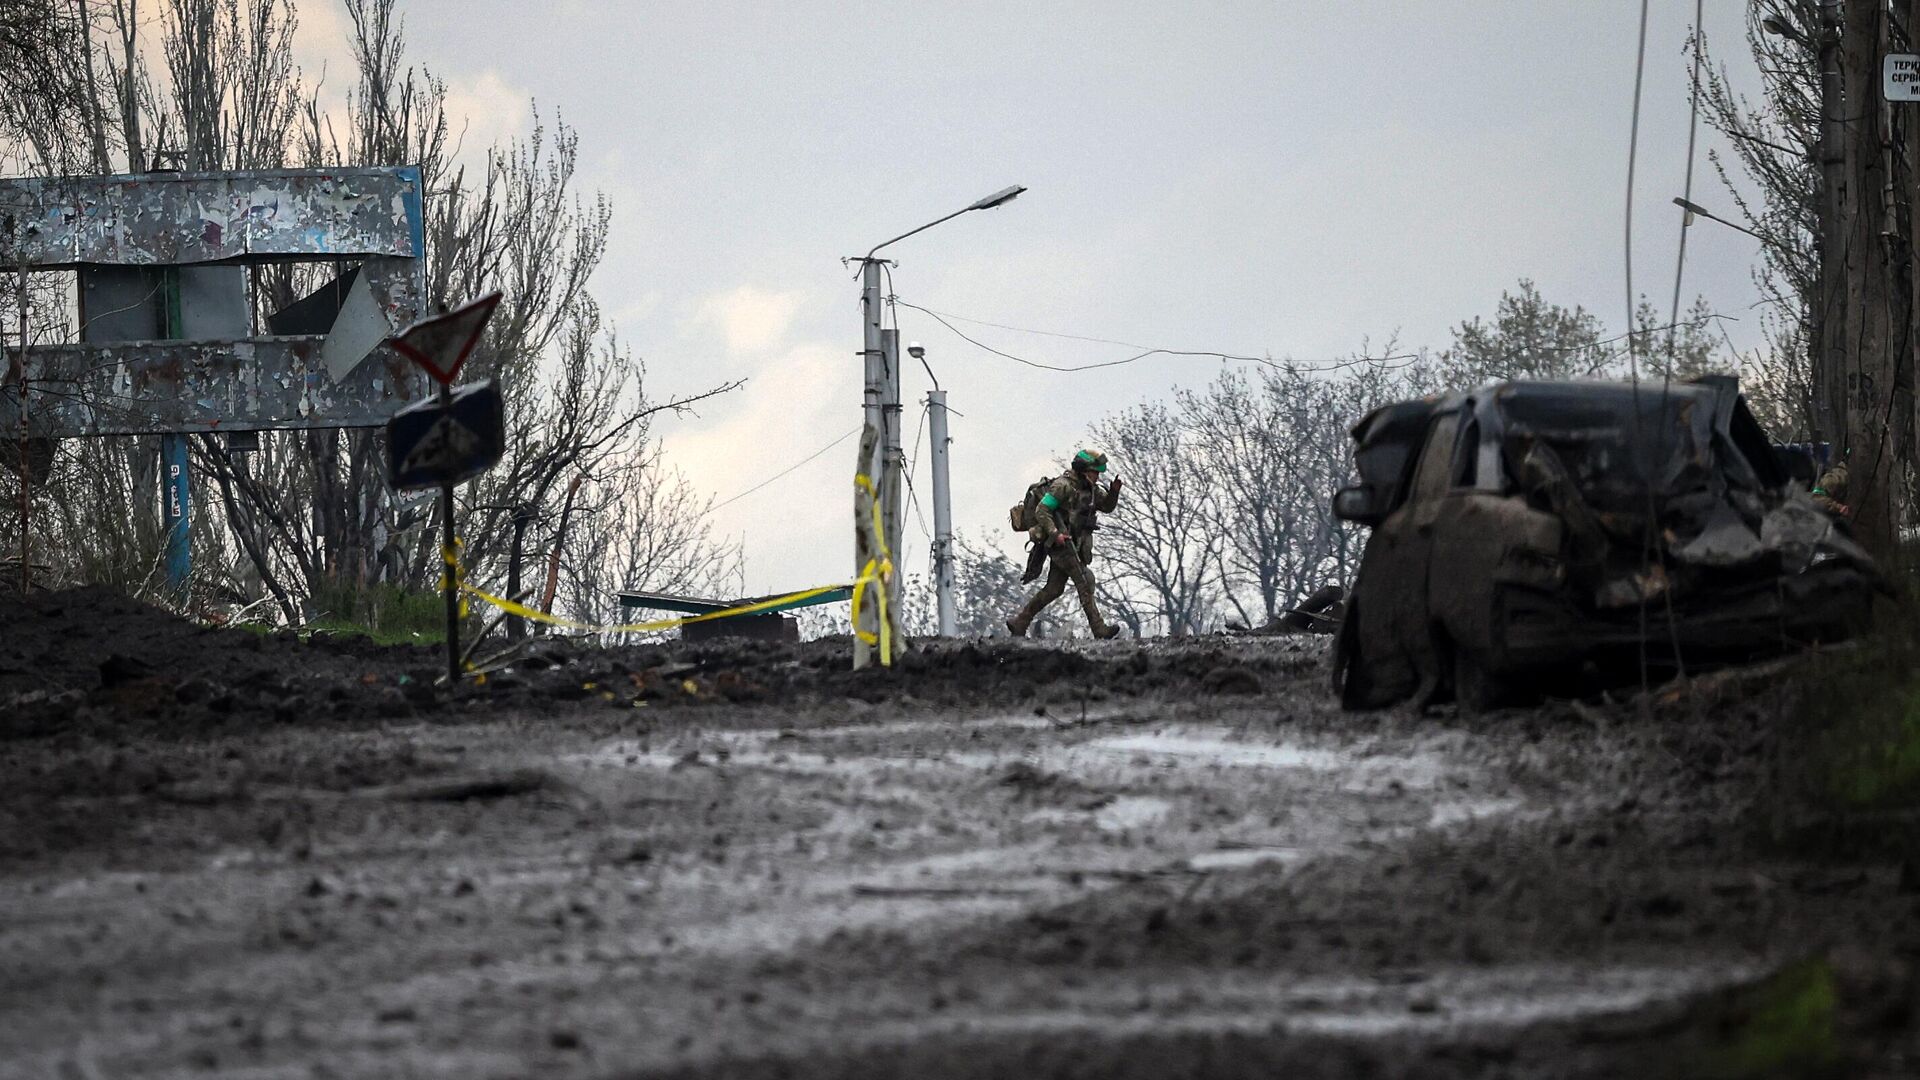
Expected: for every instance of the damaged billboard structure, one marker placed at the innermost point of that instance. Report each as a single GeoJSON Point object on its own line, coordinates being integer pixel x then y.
{"type": "Point", "coordinates": [1529, 534]}
{"type": "Point", "coordinates": [170, 340]}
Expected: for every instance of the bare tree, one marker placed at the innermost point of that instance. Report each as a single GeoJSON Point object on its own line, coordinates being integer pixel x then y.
{"type": "Point", "coordinates": [1166, 539]}
{"type": "Point", "coordinates": [1774, 146]}
{"type": "Point", "coordinates": [212, 84]}
{"type": "Point", "coordinates": [42, 43]}
{"type": "Point", "coordinates": [1246, 431]}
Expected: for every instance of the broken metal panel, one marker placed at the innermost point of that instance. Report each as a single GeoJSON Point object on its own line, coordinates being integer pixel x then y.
{"type": "Point", "coordinates": [694, 605]}
{"type": "Point", "coordinates": [137, 303]}
{"type": "Point", "coordinates": [121, 303]}
{"type": "Point", "coordinates": [254, 384]}
{"type": "Point", "coordinates": [360, 325]}
{"type": "Point", "coordinates": [213, 303]}
{"type": "Point", "coordinates": [398, 286]}
{"type": "Point", "coordinates": [164, 255]}
{"type": "Point", "coordinates": [357, 310]}
{"type": "Point", "coordinates": [155, 219]}
{"type": "Point", "coordinates": [314, 313]}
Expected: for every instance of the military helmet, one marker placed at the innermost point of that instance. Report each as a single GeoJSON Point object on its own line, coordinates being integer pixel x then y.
{"type": "Point", "coordinates": [1090, 460]}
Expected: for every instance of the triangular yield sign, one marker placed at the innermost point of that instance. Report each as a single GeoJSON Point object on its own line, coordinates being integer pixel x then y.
{"type": "Point", "coordinates": [441, 343]}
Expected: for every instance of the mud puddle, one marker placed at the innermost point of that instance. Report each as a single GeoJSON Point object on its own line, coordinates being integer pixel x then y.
{"type": "Point", "coordinates": [1442, 1002]}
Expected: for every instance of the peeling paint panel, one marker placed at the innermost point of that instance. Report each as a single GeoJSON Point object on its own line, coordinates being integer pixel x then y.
{"type": "Point", "coordinates": [150, 219]}
{"type": "Point", "coordinates": [252, 384]}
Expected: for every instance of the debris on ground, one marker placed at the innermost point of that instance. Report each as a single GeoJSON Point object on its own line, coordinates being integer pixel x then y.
{"type": "Point", "coordinates": [1013, 858]}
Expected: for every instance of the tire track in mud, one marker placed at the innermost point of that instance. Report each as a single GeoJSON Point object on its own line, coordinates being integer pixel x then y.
{"type": "Point", "coordinates": [811, 887]}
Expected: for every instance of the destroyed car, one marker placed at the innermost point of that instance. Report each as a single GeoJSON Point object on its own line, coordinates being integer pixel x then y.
{"type": "Point", "coordinates": [1529, 535]}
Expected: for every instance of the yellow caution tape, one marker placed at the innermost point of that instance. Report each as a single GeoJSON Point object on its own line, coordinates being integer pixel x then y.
{"type": "Point", "coordinates": [537, 615]}
{"type": "Point", "coordinates": [876, 573]}
{"type": "Point", "coordinates": [450, 555]}
{"type": "Point", "coordinates": [879, 572]}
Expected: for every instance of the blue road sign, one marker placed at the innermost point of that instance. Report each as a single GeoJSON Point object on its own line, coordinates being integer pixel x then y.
{"type": "Point", "coordinates": [173, 461]}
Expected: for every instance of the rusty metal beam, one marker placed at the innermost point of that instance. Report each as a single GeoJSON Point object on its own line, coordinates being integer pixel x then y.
{"type": "Point", "coordinates": [251, 384]}
{"type": "Point", "coordinates": [156, 219]}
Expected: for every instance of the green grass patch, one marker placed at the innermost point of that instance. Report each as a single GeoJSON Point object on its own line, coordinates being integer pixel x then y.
{"type": "Point", "coordinates": [1782, 1027]}
{"type": "Point", "coordinates": [1865, 751]}
{"type": "Point", "coordinates": [1873, 760]}
{"type": "Point", "coordinates": [388, 614]}
{"type": "Point", "coordinates": [1853, 741]}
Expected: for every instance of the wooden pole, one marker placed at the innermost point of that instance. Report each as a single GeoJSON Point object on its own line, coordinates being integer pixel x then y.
{"type": "Point", "coordinates": [1910, 192]}
{"type": "Point", "coordinates": [1872, 310]}
{"type": "Point", "coordinates": [522, 517]}
{"type": "Point", "coordinates": [1829, 325]}
{"type": "Point", "coordinates": [559, 541]}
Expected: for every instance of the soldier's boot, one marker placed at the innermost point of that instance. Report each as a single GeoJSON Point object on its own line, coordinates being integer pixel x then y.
{"type": "Point", "coordinates": [1056, 584]}
{"type": "Point", "coordinates": [1018, 622]}
{"type": "Point", "coordinates": [1100, 627]}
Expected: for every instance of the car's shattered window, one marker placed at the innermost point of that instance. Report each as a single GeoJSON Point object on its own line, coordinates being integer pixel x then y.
{"type": "Point", "coordinates": [1613, 442]}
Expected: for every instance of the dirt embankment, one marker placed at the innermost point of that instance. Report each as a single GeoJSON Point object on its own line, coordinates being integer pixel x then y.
{"type": "Point", "coordinates": [231, 854]}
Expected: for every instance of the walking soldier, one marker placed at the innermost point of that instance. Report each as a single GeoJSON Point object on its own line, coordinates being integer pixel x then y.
{"type": "Point", "coordinates": [1062, 527]}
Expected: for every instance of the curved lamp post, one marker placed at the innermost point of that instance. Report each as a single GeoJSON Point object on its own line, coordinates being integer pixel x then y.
{"type": "Point", "coordinates": [881, 404]}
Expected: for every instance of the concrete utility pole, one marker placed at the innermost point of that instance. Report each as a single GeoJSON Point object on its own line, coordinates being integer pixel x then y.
{"type": "Point", "coordinates": [880, 452]}
{"type": "Point", "coordinates": [892, 454]}
{"type": "Point", "coordinates": [942, 499]}
{"type": "Point", "coordinates": [873, 354]}
{"type": "Point", "coordinates": [942, 512]}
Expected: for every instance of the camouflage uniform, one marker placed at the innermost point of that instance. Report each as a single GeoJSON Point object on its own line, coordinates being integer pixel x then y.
{"type": "Point", "coordinates": [1830, 493]}
{"type": "Point", "coordinates": [1067, 509]}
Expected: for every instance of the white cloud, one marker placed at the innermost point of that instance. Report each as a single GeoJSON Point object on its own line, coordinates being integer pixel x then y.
{"type": "Point", "coordinates": [323, 48]}
{"type": "Point", "coordinates": [750, 318]}
{"type": "Point", "coordinates": [486, 110]}
{"type": "Point", "coordinates": [798, 400]}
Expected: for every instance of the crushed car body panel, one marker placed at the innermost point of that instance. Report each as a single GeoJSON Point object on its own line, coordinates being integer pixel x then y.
{"type": "Point", "coordinates": [1528, 528]}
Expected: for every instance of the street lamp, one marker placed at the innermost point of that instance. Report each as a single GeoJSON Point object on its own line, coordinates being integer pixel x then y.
{"type": "Point", "coordinates": [998, 198]}
{"type": "Point", "coordinates": [881, 403]}
{"type": "Point", "coordinates": [1779, 27]}
{"type": "Point", "coordinates": [1697, 210]}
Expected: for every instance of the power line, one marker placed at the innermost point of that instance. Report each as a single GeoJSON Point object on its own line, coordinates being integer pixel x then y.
{"type": "Point", "coordinates": [1633, 357]}
{"type": "Point", "coordinates": [1287, 365]}
{"type": "Point", "coordinates": [1278, 365]}
{"type": "Point", "coordinates": [913, 497]}
{"type": "Point", "coordinates": [1042, 333]}
{"type": "Point", "coordinates": [1693, 128]}
{"type": "Point", "coordinates": [1633, 158]}
{"type": "Point", "coordinates": [782, 472]}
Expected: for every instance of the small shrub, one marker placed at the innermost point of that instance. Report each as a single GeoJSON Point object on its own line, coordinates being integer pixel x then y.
{"type": "Point", "coordinates": [388, 614]}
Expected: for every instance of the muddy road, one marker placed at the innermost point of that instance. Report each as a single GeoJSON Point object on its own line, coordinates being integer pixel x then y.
{"type": "Point", "coordinates": [233, 855]}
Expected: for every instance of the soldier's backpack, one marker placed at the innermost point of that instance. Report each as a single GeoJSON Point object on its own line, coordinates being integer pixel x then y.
{"type": "Point", "coordinates": [1021, 514]}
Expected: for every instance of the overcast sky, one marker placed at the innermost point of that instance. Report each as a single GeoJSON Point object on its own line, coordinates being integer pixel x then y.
{"type": "Point", "coordinates": [1290, 179]}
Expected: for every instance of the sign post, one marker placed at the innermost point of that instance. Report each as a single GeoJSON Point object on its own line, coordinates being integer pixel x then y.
{"type": "Point", "coordinates": [440, 443]}
{"type": "Point", "coordinates": [173, 459]}
{"type": "Point", "coordinates": [450, 562]}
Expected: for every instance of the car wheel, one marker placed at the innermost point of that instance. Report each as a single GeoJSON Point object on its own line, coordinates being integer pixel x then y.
{"type": "Point", "coordinates": [1350, 681]}
{"type": "Point", "coordinates": [1475, 690]}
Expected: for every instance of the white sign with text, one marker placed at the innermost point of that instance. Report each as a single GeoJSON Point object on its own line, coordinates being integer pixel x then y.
{"type": "Point", "coordinates": [1900, 76]}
